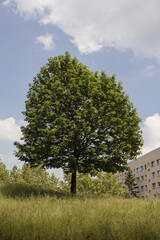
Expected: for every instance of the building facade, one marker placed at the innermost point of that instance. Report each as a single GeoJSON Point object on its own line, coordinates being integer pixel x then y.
{"type": "Point", "coordinates": [146, 170]}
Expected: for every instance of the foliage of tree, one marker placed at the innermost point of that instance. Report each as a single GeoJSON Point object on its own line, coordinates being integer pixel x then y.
{"type": "Point", "coordinates": [29, 180]}
{"type": "Point", "coordinates": [16, 175]}
{"type": "Point", "coordinates": [103, 183]}
{"type": "Point", "coordinates": [78, 120]}
{"type": "Point", "coordinates": [131, 183]}
{"type": "Point", "coordinates": [36, 176]}
{"type": "Point", "coordinates": [4, 173]}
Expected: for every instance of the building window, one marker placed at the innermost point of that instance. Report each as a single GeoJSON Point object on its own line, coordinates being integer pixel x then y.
{"type": "Point", "coordinates": [149, 180]}
{"type": "Point", "coordinates": [142, 188]}
{"type": "Point", "coordinates": [153, 185]}
{"type": "Point", "coordinates": [141, 168]}
{"type": "Point", "coordinates": [153, 174]}
{"type": "Point", "coordinates": [158, 184]}
{"type": "Point", "coordinates": [152, 164]}
{"type": "Point", "coordinates": [158, 173]}
{"type": "Point", "coordinates": [148, 170]}
{"type": "Point", "coordinates": [142, 178]}
{"type": "Point", "coordinates": [148, 164]}
{"type": "Point", "coordinates": [137, 170]}
{"type": "Point", "coordinates": [145, 167]}
{"type": "Point", "coordinates": [145, 187]}
{"type": "Point", "coordinates": [158, 161]}
{"type": "Point", "coordinates": [134, 170]}
{"type": "Point", "coordinates": [145, 177]}
{"type": "Point", "coordinates": [137, 179]}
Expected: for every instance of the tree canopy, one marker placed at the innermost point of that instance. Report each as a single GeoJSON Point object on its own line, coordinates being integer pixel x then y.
{"type": "Point", "coordinates": [78, 120]}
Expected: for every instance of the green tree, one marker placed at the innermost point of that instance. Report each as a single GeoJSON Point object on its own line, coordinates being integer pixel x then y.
{"type": "Point", "coordinates": [16, 175]}
{"type": "Point", "coordinates": [4, 173]}
{"type": "Point", "coordinates": [39, 177]}
{"type": "Point", "coordinates": [131, 183]}
{"type": "Point", "coordinates": [78, 120]}
{"type": "Point", "coordinates": [102, 183]}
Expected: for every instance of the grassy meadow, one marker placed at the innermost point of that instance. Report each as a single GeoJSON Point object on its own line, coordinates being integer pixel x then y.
{"type": "Point", "coordinates": [37, 206]}
{"type": "Point", "coordinates": [55, 217]}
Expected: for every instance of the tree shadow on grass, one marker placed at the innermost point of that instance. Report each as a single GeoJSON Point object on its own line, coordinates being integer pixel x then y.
{"type": "Point", "coordinates": [22, 190]}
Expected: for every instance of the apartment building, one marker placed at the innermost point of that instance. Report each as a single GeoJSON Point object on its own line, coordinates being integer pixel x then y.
{"type": "Point", "coordinates": [146, 170]}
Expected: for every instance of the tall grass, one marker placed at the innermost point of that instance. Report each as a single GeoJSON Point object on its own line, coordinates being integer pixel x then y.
{"type": "Point", "coordinates": [52, 218]}
{"type": "Point", "coordinates": [23, 190]}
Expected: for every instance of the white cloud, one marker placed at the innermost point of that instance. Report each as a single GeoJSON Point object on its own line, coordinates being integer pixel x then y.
{"type": "Point", "coordinates": [151, 133]}
{"type": "Point", "coordinates": [95, 24]}
{"type": "Point", "coordinates": [27, 8]}
{"type": "Point", "coordinates": [148, 71]}
{"type": "Point", "coordinates": [47, 41]}
{"type": "Point", "coordinates": [9, 130]}
{"type": "Point", "coordinates": [6, 2]}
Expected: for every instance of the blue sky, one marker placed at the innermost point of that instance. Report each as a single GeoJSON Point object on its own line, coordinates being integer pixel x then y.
{"type": "Point", "coordinates": [121, 37]}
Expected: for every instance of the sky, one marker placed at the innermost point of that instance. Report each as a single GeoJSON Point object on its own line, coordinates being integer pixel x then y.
{"type": "Point", "coordinates": [121, 37]}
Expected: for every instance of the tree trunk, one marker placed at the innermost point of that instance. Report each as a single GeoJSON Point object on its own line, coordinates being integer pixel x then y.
{"type": "Point", "coordinates": [73, 183]}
